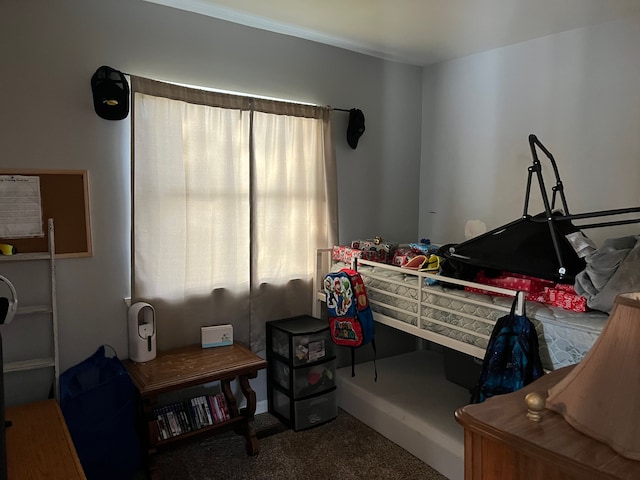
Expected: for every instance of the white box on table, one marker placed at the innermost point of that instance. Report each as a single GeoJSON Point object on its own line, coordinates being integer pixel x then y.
{"type": "Point", "coordinates": [216, 336]}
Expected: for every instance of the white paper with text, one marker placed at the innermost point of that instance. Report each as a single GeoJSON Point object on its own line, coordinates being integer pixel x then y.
{"type": "Point", "coordinates": [20, 207]}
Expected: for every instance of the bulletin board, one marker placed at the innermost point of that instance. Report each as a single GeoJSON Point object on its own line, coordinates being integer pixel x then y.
{"type": "Point", "coordinates": [64, 196]}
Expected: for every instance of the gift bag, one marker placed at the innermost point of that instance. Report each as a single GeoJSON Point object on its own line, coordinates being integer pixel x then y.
{"type": "Point", "coordinates": [98, 401]}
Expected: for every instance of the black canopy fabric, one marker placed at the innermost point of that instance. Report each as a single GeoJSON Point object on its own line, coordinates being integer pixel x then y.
{"type": "Point", "coordinates": [531, 245]}
{"type": "Point", "coordinates": [524, 246]}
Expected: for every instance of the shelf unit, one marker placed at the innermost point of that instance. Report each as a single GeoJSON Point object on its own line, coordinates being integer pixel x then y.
{"type": "Point", "coordinates": [51, 308]}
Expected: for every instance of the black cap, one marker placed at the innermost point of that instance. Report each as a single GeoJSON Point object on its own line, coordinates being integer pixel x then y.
{"type": "Point", "coordinates": [110, 93]}
{"type": "Point", "coordinates": [355, 128]}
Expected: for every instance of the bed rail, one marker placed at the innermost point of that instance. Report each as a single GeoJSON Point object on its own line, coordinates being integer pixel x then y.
{"type": "Point", "coordinates": [412, 319]}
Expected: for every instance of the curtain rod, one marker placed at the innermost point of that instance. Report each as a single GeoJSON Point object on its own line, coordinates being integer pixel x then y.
{"type": "Point", "coordinates": [348, 110]}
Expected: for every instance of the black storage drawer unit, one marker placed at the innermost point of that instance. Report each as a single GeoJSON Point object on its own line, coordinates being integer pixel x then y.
{"type": "Point", "coordinates": [301, 372]}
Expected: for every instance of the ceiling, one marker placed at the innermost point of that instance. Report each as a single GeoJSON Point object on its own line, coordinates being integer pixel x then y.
{"type": "Point", "coordinates": [418, 32]}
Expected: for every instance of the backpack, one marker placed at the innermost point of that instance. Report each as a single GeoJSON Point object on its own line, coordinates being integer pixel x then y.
{"type": "Point", "coordinates": [98, 402]}
{"type": "Point", "coordinates": [512, 359]}
{"type": "Point", "coordinates": [350, 318]}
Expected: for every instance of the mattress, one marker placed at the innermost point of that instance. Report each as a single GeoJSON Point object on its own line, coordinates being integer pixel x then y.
{"type": "Point", "coordinates": [564, 336]}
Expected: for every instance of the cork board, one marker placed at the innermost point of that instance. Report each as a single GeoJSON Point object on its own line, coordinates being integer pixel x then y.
{"type": "Point", "coordinates": [64, 197]}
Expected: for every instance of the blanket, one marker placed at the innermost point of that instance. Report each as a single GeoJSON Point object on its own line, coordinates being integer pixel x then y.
{"type": "Point", "coordinates": [612, 269]}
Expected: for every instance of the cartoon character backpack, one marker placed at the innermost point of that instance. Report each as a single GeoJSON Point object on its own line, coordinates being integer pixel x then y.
{"type": "Point", "coordinates": [350, 317]}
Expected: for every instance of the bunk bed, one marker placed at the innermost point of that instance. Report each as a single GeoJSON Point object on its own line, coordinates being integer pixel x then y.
{"type": "Point", "coordinates": [545, 246]}
{"type": "Point", "coordinates": [434, 307]}
{"type": "Point", "coordinates": [413, 400]}
{"type": "Point", "coordinates": [412, 403]}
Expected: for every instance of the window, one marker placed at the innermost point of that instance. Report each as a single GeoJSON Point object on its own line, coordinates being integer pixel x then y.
{"type": "Point", "coordinates": [231, 198]}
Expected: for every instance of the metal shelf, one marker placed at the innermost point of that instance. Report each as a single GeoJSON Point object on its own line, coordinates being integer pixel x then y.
{"type": "Point", "coordinates": [32, 364]}
{"type": "Point", "coordinates": [33, 309]}
{"type": "Point", "coordinates": [25, 257]}
{"type": "Point", "coordinates": [51, 309]}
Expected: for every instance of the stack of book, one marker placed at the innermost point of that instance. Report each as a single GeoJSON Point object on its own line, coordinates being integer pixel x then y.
{"type": "Point", "coordinates": [172, 420]}
{"type": "Point", "coordinates": [183, 417]}
{"type": "Point", "coordinates": [209, 409]}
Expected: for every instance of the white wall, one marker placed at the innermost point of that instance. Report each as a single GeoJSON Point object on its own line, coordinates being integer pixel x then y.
{"type": "Point", "coordinates": [577, 91]}
{"type": "Point", "coordinates": [50, 49]}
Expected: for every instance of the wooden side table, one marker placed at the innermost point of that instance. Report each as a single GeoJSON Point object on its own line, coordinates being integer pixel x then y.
{"type": "Point", "coordinates": [191, 366]}
{"type": "Point", "coordinates": [39, 444]}
{"type": "Point", "coordinates": [501, 442]}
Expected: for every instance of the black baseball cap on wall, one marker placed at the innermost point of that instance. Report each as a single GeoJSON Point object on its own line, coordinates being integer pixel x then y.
{"type": "Point", "coordinates": [355, 128]}
{"type": "Point", "coordinates": [110, 93]}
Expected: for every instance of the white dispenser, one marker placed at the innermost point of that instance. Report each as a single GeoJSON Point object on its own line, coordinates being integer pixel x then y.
{"type": "Point", "coordinates": [142, 332]}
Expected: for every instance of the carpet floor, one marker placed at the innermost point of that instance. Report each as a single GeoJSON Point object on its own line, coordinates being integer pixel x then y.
{"type": "Point", "coordinates": [344, 448]}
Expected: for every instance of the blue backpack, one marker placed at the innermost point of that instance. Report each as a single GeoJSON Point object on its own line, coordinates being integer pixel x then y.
{"type": "Point", "coordinates": [512, 359]}
{"type": "Point", "coordinates": [98, 401]}
{"type": "Point", "coordinates": [350, 318]}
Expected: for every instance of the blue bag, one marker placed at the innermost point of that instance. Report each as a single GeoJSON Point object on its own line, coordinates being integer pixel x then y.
{"type": "Point", "coordinates": [98, 401]}
{"type": "Point", "coordinates": [512, 359]}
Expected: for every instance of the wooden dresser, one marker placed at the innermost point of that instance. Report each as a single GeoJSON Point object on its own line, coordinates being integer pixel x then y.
{"type": "Point", "coordinates": [500, 442]}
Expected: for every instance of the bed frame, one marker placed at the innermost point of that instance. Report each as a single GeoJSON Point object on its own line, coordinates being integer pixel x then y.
{"type": "Point", "coordinates": [323, 266]}
{"type": "Point", "coordinates": [420, 418]}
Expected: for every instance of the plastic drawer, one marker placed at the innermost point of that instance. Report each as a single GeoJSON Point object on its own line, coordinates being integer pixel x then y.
{"type": "Point", "coordinates": [305, 381]}
{"type": "Point", "coordinates": [306, 413]}
{"type": "Point", "coordinates": [302, 339]}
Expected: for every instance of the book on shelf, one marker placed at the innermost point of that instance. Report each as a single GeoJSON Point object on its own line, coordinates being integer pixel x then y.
{"type": "Point", "coordinates": [163, 431]}
{"type": "Point", "coordinates": [183, 417]}
{"type": "Point", "coordinates": [162, 421]}
{"type": "Point", "coordinates": [171, 429]}
{"type": "Point", "coordinates": [215, 410]}
{"type": "Point", "coordinates": [172, 420]}
{"type": "Point", "coordinates": [200, 412]}
{"type": "Point", "coordinates": [207, 410]}
{"type": "Point", "coordinates": [204, 404]}
{"type": "Point", "coordinates": [224, 406]}
{"type": "Point", "coordinates": [195, 414]}
{"type": "Point", "coordinates": [220, 405]}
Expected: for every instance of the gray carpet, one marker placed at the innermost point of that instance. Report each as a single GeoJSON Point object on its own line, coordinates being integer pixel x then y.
{"type": "Point", "coordinates": [344, 448]}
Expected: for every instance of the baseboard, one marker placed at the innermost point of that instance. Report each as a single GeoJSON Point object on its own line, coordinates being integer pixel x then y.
{"type": "Point", "coordinates": [262, 406]}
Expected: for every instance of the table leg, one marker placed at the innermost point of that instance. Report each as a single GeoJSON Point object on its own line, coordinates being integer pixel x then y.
{"type": "Point", "coordinates": [244, 428]}
{"type": "Point", "coordinates": [248, 413]}
{"type": "Point", "coordinates": [148, 435]}
{"type": "Point", "coordinates": [232, 404]}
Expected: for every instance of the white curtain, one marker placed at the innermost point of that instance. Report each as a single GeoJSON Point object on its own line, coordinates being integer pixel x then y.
{"type": "Point", "coordinates": [231, 198]}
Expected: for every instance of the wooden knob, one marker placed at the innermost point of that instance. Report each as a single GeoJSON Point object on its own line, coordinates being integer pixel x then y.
{"type": "Point", "coordinates": [535, 406]}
